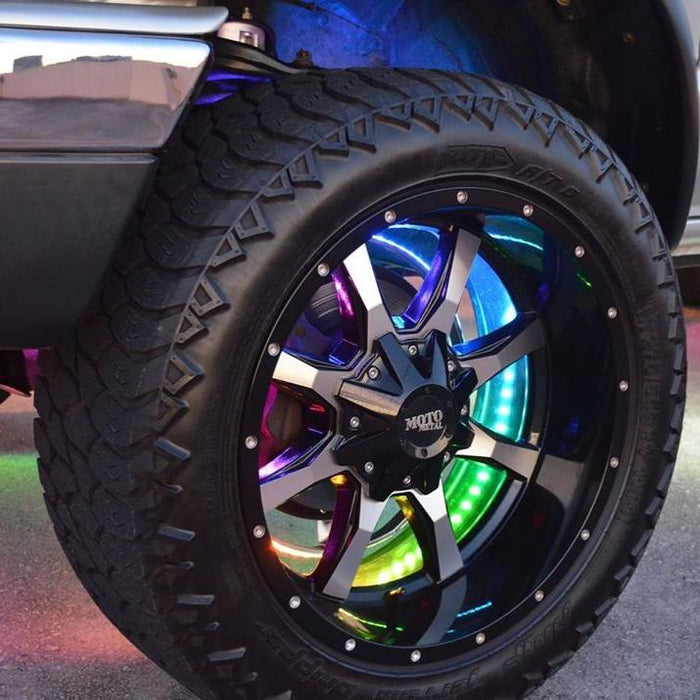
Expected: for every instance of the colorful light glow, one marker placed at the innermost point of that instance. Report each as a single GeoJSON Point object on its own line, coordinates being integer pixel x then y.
{"type": "Point", "coordinates": [471, 488]}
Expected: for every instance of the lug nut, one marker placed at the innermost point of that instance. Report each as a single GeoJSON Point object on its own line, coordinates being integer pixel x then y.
{"type": "Point", "coordinates": [390, 216]}
{"type": "Point", "coordinates": [373, 373]}
{"type": "Point", "coordinates": [251, 442]}
{"type": "Point", "coordinates": [273, 350]}
{"type": "Point", "coordinates": [614, 462]}
{"type": "Point", "coordinates": [415, 656]}
{"type": "Point", "coordinates": [350, 645]}
{"type": "Point", "coordinates": [585, 535]}
{"type": "Point", "coordinates": [528, 210]}
{"type": "Point", "coordinates": [407, 481]}
{"type": "Point", "coordinates": [354, 422]}
{"type": "Point", "coordinates": [480, 638]}
{"type": "Point", "coordinates": [412, 350]}
{"type": "Point", "coordinates": [462, 197]}
{"type": "Point", "coordinates": [258, 532]}
{"type": "Point", "coordinates": [463, 411]}
{"type": "Point", "coordinates": [612, 313]}
{"type": "Point", "coordinates": [539, 596]}
{"type": "Point", "coordinates": [446, 457]}
{"type": "Point", "coordinates": [323, 270]}
{"type": "Point", "coordinates": [579, 251]}
{"type": "Point", "coordinates": [451, 365]}
{"type": "Point", "coordinates": [295, 602]}
{"type": "Point", "coordinates": [369, 468]}
{"type": "Point", "coordinates": [624, 385]}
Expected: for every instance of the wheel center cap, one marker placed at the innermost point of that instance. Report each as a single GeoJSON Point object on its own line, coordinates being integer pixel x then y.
{"type": "Point", "coordinates": [426, 422]}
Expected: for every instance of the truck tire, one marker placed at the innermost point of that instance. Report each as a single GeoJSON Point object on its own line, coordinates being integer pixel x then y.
{"type": "Point", "coordinates": [381, 398]}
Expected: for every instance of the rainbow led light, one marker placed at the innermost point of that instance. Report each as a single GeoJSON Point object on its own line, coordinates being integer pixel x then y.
{"type": "Point", "coordinates": [471, 488]}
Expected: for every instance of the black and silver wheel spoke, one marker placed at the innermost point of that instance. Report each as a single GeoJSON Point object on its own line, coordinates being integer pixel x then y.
{"type": "Point", "coordinates": [519, 459]}
{"type": "Point", "coordinates": [451, 602]}
{"type": "Point", "coordinates": [430, 520]}
{"type": "Point", "coordinates": [360, 272]}
{"type": "Point", "coordinates": [297, 476]}
{"type": "Point", "coordinates": [354, 521]}
{"type": "Point", "coordinates": [490, 354]}
{"type": "Point", "coordinates": [306, 377]}
{"type": "Point", "coordinates": [438, 299]}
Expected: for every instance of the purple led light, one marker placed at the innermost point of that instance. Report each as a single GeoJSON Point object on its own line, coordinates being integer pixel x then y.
{"type": "Point", "coordinates": [223, 84]}
{"type": "Point", "coordinates": [280, 463]}
{"type": "Point", "coordinates": [344, 302]}
{"type": "Point", "coordinates": [434, 280]}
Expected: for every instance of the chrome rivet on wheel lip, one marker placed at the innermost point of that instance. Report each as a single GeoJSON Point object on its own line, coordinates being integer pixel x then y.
{"type": "Point", "coordinates": [251, 442]}
{"type": "Point", "coordinates": [415, 656]}
{"type": "Point", "coordinates": [612, 313]}
{"type": "Point", "coordinates": [373, 373]}
{"type": "Point", "coordinates": [295, 602]}
{"type": "Point", "coordinates": [412, 350]}
{"type": "Point", "coordinates": [539, 596]}
{"type": "Point", "coordinates": [480, 638]}
{"type": "Point", "coordinates": [273, 350]}
{"type": "Point", "coordinates": [585, 535]}
{"type": "Point", "coordinates": [390, 216]}
{"type": "Point", "coordinates": [462, 197]}
{"type": "Point", "coordinates": [350, 645]}
{"type": "Point", "coordinates": [528, 210]}
{"type": "Point", "coordinates": [323, 270]}
{"type": "Point", "coordinates": [614, 462]}
{"type": "Point", "coordinates": [354, 422]}
{"type": "Point", "coordinates": [369, 468]}
{"type": "Point", "coordinates": [624, 385]}
{"type": "Point", "coordinates": [259, 532]}
{"type": "Point", "coordinates": [579, 251]}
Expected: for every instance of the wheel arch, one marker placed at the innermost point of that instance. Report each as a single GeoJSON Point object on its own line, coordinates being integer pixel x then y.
{"type": "Point", "coordinates": [626, 67]}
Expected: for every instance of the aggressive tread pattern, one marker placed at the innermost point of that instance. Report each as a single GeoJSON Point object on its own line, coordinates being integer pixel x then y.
{"type": "Point", "coordinates": [109, 398]}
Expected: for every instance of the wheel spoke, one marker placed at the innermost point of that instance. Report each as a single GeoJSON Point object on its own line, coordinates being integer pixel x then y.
{"type": "Point", "coordinates": [451, 604]}
{"type": "Point", "coordinates": [358, 266]}
{"type": "Point", "coordinates": [355, 519]}
{"type": "Point", "coordinates": [297, 372]}
{"type": "Point", "coordinates": [430, 520]}
{"type": "Point", "coordinates": [441, 293]}
{"type": "Point", "coordinates": [492, 353]}
{"type": "Point", "coordinates": [518, 458]}
{"type": "Point", "coordinates": [297, 476]}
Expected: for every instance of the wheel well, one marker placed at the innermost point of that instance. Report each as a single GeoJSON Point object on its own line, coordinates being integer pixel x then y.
{"type": "Point", "coordinates": [623, 66]}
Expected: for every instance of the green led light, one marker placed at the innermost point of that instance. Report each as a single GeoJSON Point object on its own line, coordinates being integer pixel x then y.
{"type": "Point", "coordinates": [471, 488]}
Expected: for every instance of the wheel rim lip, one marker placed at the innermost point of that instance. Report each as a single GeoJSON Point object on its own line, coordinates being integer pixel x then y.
{"type": "Point", "coordinates": [484, 194]}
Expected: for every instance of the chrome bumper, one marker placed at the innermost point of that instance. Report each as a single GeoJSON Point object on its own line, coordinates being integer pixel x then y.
{"type": "Point", "coordinates": [96, 77]}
